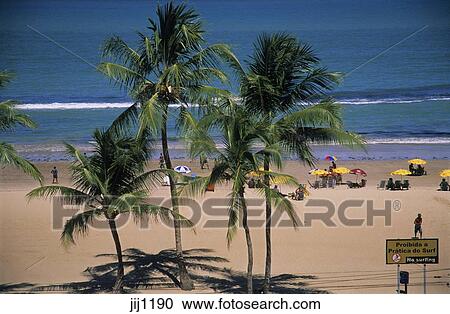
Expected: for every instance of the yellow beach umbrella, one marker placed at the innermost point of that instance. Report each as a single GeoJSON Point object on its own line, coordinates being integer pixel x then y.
{"type": "Point", "coordinates": [319, 172]}
{"type": "Point", "coordinates": [257, 173]}
{"type": "Point", "coordinates": [445, 173]}
{"type": "Point", "coordinates": [341, 170]}
{"type": "Point", "coordinates": [401, 172]}
{"type": "Point", "coordinates": [417, 161]}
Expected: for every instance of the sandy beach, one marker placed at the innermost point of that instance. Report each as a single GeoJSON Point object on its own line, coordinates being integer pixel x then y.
{"type": "Point", "coordinates": [314, 258]}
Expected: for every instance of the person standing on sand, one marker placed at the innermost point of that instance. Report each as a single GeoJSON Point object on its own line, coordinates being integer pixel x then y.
{"type": "Point", "coordinates": [54, 173]}
{"type": "Point", "coordinates": [161, 161]}
{"type": "Point", "coordinates": [418, 226]}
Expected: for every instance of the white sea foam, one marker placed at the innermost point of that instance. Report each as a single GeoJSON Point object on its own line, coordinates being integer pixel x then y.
{"type": "Point", "coordinates": [410, 140]}
{"type": "Point", "coordinates": [108, 105]}
{"type": "Point", "coordinates": [367, 101]}
{"type": "Point", "coordinates": [78, 105]}
{"type": "Point", "coordinates": [72, 105]}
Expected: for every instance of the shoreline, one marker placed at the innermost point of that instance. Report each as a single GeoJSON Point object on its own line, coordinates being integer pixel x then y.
{"type": "Point", "coordinates": [375, 152]}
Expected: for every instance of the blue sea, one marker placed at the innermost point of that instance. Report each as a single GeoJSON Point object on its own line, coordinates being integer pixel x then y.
{"type": "Point", "coordinates": [395, 54]}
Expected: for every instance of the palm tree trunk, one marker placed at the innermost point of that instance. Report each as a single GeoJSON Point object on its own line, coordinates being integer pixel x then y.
{"type": "Point", "coordinates": [267, 272]}
{"type": "Point", "coordinates": [185, 280]}
{"type": "Point", "coordinates": [249, 245]}
{"type": "Point", "coordinates": [120, 271]}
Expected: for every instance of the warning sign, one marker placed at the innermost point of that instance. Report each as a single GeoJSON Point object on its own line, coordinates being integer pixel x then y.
{"type": "Point", "coordinates": [412, 251]}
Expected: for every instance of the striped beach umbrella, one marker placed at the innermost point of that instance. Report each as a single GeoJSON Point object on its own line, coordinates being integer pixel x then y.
{"type": "Point", "coordinates": [182, 169]}
{"type": "Point", "coordinates": [330, 158]}
{"type": "Point", "coordinates": [358, 172]}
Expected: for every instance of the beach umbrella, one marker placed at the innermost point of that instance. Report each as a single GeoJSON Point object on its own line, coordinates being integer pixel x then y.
{"type": "Point", "coordinates": [358, 172]}
{"type": "Point", "coordinates": [330, 158]}
{"type": "Point", "coordinates": [417, 161]}
{"type": "Point", "coordinates": [182, 169]}
{"type": "Point", "coordinates": [319, 172]}
{"type": "Point", "coordinates": [445, 173]}
{"type": "Point", "coordinates": [401, 172]}
{"type": "Point", "coordinates": [341, 170]}
{"type": "Point", "coordinates": [257, 173]}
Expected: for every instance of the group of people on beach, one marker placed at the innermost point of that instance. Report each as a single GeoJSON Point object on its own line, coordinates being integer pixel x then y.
{"type": "Point", "coordinates": [417, 171]}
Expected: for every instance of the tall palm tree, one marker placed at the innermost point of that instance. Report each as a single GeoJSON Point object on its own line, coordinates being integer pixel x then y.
{"type": "Point", "coordinates": [110, 183]}
{"type": "Point", "coordinates": [169, 66]}
{"type": "Point", "coordinates": [9, 118]}
{"type": "Point", "coordinates": [240, 136]}
{"type": "Point", "coordinates": [285, 86]}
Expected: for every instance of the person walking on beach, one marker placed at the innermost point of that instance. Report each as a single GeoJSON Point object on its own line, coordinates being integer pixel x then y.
{"type": "Point", "coordinates": [203, 162]}
{"type": "Point", "coordinates": [161, 161]}
{"type": "Point", "coordinates": [418, 226]}
{"type": "Point", "coordinates": [54, 173]}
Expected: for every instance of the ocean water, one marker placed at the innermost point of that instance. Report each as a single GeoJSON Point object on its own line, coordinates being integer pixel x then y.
{"type": "Point", "coordinates": [395, 54]}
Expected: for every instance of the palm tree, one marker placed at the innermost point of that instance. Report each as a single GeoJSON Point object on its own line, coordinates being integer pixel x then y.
{"type": "Point", "coordinates": [240, 136]}
{"type": "Point", "coordinates": [284, 85]}
{"type": "Point", "coordinates": [169, 66]}
{"type": "Point", "coordinates": [110, 183]}
{"type": "Point", "coordinates": [9, 118]}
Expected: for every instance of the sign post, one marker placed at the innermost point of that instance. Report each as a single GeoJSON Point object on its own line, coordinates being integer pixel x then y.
{"type": "Point", "coordinates": [424, 278]}
{"type": "Point", "coordinates": [398, 278]}
{"type": "Point", "coordinates": [412, 251]}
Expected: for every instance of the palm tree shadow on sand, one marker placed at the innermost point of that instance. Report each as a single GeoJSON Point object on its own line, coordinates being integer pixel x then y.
{"type": "Point", "coordinates": [15, 287]}
{"type": "Point", "coordinates": [160, 271]}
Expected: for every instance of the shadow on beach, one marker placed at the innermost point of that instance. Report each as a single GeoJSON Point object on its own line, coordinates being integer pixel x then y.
{"type": "Point", "coordinates": [160, 271]}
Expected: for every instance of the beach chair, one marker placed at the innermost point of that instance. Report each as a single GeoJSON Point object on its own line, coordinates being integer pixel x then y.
{"type": "Point", "coordinates": [352, 185]}
{"type": "Point", "coordinates": [382, 185]}
{"type": "Point", "coordinates": [316, 184]}
{"type": "Point", "coordinates": [363, 183]}
{"type": "Point", "coordinates": [397, 185]}
{"type": "Point", "coordinates": [338, 179]}
{"type": "Point", "coordinates": [405, 184]}
{"type": "Point", "coordinates": [332, 183]}
{"type": "Point", "coordinates": [323, 183]}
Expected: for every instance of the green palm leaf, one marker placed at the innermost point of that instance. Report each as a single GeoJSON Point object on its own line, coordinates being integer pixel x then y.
{"type": "Point", "coordinates": [9, 156]}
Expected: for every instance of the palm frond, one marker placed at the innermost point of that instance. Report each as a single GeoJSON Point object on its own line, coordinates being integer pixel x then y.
{"type": "Point", "coordinates": [150, 115]}
{"type": "Point", "coordinates": [126, 120]}
{"type": "Point", "coordinates": [5, 78]}
{"type": "Point", "coordinates": [9, 156]}
{"type": "Point", "coordinates": [326, 113]}
{"type": "Point", "coordinates": [70, 195]}
{"type": "Point", "coordinates": [121, 75]}
{"type": "Point", "coordinates": [77, 226]}
{"type": "Point", "coordinates": [10, 116]}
